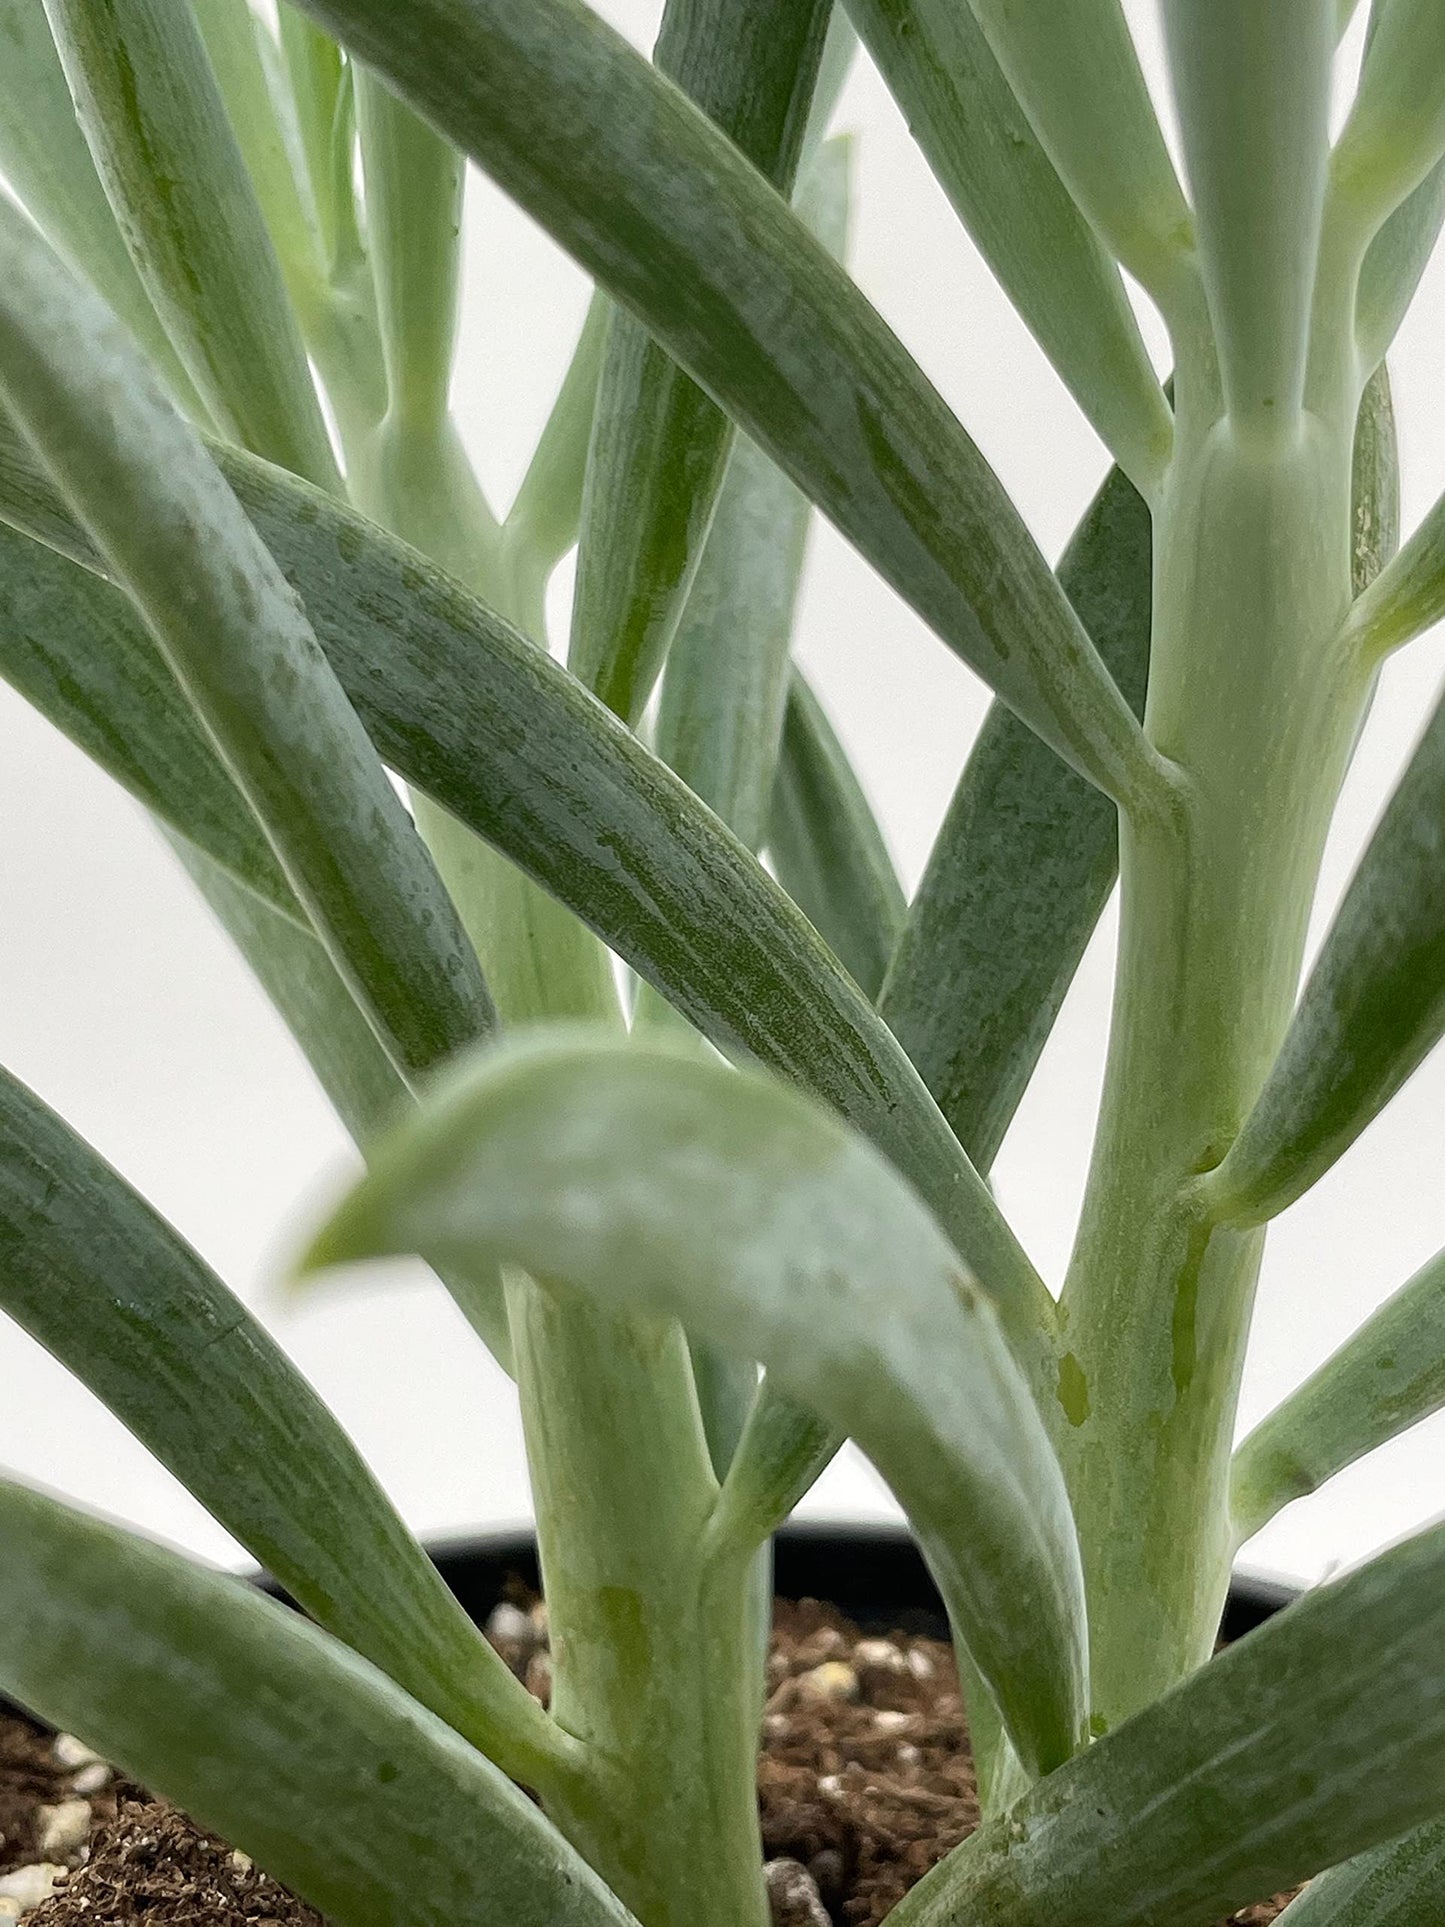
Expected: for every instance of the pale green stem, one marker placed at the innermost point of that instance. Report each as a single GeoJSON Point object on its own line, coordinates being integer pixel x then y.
{"type": "Point", "coordinates": [1255, 701]}
{"type": "Point", "coordinates": [654, 1648]}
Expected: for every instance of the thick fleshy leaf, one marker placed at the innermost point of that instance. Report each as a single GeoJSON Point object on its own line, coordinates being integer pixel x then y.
{"type": "Point", "coordinates": [826, 845]}
{"type": "Point", "coordinates": [1077, 74]}
{"type": "Point", "coordinates": [1397, 259]}
{"type": "Point", "coordinates": [1252, 85]}
{"type": "Point", "coordinates": [364, 1087]}
{"type": "Point", "coordinates": [320, 91]}
{"type": "Point", "coordinates": [1385, 1378]}
{"type": "Point", "coordinates": [159, 132]}
{"type": "Point", "coordinates": [1373, 1007]}
{"type": "Point", "coordinates": [1397, 1885]}
{"type": "Point", "coordinates": [720, 715]}
{"type": "Point", "coordinates": [658, 205]}
{"type": "Point", "coordinates": [1408, 597]}
{"type": "Point", "coordinates": [74, 647]}
{"type": "Point", "coordinates": [273, 1734]}
{"type": "Point", "coordinates": [93, 1273]}
{"type": "Point", "coordinates": [152, 500]}
{"type": "Point", "coordinates": [235, 42]}
{"type": "Point", "coordinates": [1314, 1738]}
{"type": "Point", "coordinates": [653, 1181]}
{"type": "Point", "coordinates": [1395, 134]}
{"type": "Point", "coordinates": [783, 1450]}
{"type": "Point", "coordinates": [659, 444]}
{"type": "Point", "coordinates": [44, 157]}
{"type": "Point", "coordinates": [1022, 866]}
{"type": "Point", "coordinates": [485, 723]}
{"type": "Point", "coordinates": [544, 518]}
{"type": "Point", "coordinates": [979, 143]}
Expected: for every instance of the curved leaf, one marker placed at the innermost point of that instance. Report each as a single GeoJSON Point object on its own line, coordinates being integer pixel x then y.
{"type": "Point", "coordinates": [1023, 865]}
{"type": "Point", "coordinates": [1397, 259]}
{"type": "Point", "coordinates": [161, 138]}
{"type": "Point", "coordinates": [1077, 74]}
{"type": "Point", "coordinates": [232, 631]}
{"type": "Point", "coordinates": [659, 444]}
{"type": "Point", "coordinates": [44, 157]}
{"type": "Point", "coordinates": [652, 1181]}
{"type": "Point", "coordinates": [978, 141]}
{"type": "Point", "coordinates": [73, 646]}
{"type": "Point", "coordinates": [489, 726]}
{"type": "Point", "coordinates": [1386, 1377]}
{"type": "Point", "coordinates": [1316, 1737]}
{"type": "Point", "coordinates": [265, 1729]}
{"type": "Point", "coordinates": [1395, 133]}
{"type": "Point", "coordinates": [1373, 1007]}
{"type": "Point", "coordinates": [363, 1085]}
{"type": "Point", "coordinates": [545, 516]}
{"type": "Point", "coordinates": [1408, 597]}
{"type": "Point", "coordinates": [659, 206]}
{"type": "Point", "coordinates": [826, 845]}
{"type": "Point", "coordinates": [783, 1450]}
{"type": "Point", "coordinates": [106, 1286]}
{"type": "Point", "coordinates": [1397, 1885]}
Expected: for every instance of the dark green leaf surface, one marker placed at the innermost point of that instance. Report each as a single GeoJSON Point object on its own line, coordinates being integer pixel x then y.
{"type": "Point", "coordinates": [654, 1181]}
{"type": "Point", "coordinates": [1316, 1737]}
{"type": "Point", "coordinates": [44, 157]}
{"type": "Point", "coordinates": [152, 500]}
{"type": "Point", "coordinates": [73, 646]}
{"type": "Point", "coordinates": [1387, 1376]}
{"type": "Point", "coordinates": [159, 132]}
{"type": "Point", "coordinates": [987, 158]}
{"type": "Point", "coordinates": [99, 1279]}
{"type": "Point", "coordinates": [365, 1090]}
{"type": "Point", "coordinates": [273, 1734]}
{"type": "Point", "coordinates": [827, 847]}
{"type": "Point", "coordinates": [1023, 865]}
{"type": "Point", "coordinates": [481, 720]}
{"type": "Point", "coordinates": [1397, 1885]}
{"type": "Point", "coordinates": [659, 444]}
{"type": "Point", "coordinates": [1373, 1007]}
{"type": "Point", "coordinates": [659, 206]}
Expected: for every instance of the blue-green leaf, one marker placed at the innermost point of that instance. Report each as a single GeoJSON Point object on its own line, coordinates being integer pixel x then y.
{"type": "Point", "coordinates": [659, 444]}
{"type": "Point", "coordinates": [99, 1279]}
{"type": "Point", "coordinates": [485, 723]}
{"type": "Point", "coordinates": [826, 845]}
{"type": "Point", "coordinates": [273, 1734]}
{"type": "Point", "coordinates": [978, 141]}
{"type": "Point", "coordinates": [44, 157]}
{"type": "Point", "coordinates": [1386, 1377]}
{"type": "Point", "coordinates": [1373, 1007]}
{"type": "Point", "coordinates": [655, 1181]}
{"type": "Point", "coordinates": [1397, 1885]}
{"type": "Point", "coordinates": [1315, 1738]}
{"type": "Point", "coordinates": [660, 207]}
{"type": "Point", "coordinates": [1023, 865]}
{"type": "Point", "coordinates": [159, 132]}
{"type": "Point", "coordinates": [236, 638]}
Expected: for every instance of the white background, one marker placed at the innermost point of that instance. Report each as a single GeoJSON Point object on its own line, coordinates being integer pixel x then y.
{"type": "Point", "coordinates": [123, 1005]}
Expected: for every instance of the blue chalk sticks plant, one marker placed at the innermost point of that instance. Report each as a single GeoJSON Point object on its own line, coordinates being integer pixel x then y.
{"type": "Point", "coordinates": [245, 565]}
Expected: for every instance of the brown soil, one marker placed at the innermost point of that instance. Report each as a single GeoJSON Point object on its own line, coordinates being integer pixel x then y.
{"type": "Point", "coordinates": [865, 1782]}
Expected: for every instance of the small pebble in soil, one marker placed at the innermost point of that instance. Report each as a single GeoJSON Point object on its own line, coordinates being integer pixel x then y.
{"type": "Point", "coordinates": [793, 1895]}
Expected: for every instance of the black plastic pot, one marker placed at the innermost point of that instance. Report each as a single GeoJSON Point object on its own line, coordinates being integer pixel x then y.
{"type": "Point", "coordinates": [874, 1573]}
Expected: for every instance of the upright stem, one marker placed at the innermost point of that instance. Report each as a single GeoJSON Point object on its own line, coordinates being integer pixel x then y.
{"type": "Point", "coordinates": [1258, 710]}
